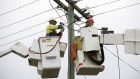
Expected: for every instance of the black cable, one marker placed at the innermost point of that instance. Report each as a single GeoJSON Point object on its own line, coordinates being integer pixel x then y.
{"type": "Point", "coordinates": [22, 38]}
{"type": "Point", "coordinates": [25, 19]}
{"type": "Point", "coordinates": [30, 35]}
{"type": "Point", "coordinates": [27, 28]}
{"type": "Point", "coordinates": [123, 61]}
{"type": "Point", "coordinates": [19, 7]}
{"type": "Point", "coordinates": [118, 63]}
{"type": "Point", "coordinates": [104, 4]}
{"type": "Point", "coordinates": [62, 18]}
{"type": "Point", "coordinates": [99, 62]}
{"type": "Point", "coordinates": [117, 9]}
{"type": "Point", "coordinates": [69, 15]}
{"type": "Point", "coordinates": [56, 10]}
{"type": "Point", "coordinates": [70, 23]}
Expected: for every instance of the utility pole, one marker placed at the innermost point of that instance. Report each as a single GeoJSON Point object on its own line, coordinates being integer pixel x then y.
{"type": "Point", "coordinates": [71, 74]}
{"type": "Point", "coordinates": [71, 17]}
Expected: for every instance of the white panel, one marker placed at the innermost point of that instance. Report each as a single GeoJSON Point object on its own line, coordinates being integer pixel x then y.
{"type": "Point", "coordinates": [39, 67]}
{"type": "Point", "coordinates": [50, 64]}
{"type": "Point", "coordinates": [91, 44]}
{"type": "Point", "coordinates": [88, 67]}
{"type": "Point", "coordinates": [110, 39]}
{"type": "Point", "coordinates": [5, 52]}
{"type": "Point", "coordinates": [137, 35]}
{"type": "Point", "coordinates": [63, 47]}
{"type": "Point", "coordinates": [88, 31]}
{"type": "Point", "coordinates": [129, 47]}
{"type": "Point", "coordinates": [33, 58]}
{"type": "Point", "coordinates": [80, 55]}
{"type": "Point", "coordinates": [20, 49]}
{"type": "Point", "coordinates": [137, 48]}
{"type": "Point", "coordinates": [130, 35]}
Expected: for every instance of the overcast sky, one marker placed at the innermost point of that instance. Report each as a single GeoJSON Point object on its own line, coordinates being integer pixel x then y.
{"type": "Point", "coordinates": [15, 67]}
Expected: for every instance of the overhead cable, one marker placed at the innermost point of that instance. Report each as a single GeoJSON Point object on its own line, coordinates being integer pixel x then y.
{"type": "Point", "coordinates": [26, 19]}
{"type": "Point", "coordinates": [28, 28]}
{"type": "Point", "coordinates": [123, 60]}
{"type": "Point", "coordinates": [56, 10]}
{"type": "Point", "coordinates": [118, 62]}
{"type": "Point", "coordinates": [104, 4]}
{"type": "Point", "coordinates": [31, 35]}
{"type": "Point", "coordinates": [117, 9]}
{"type": "Point", "coordinates": [19, 7]}
{"type": "Point", "coordinates": [22, 38]}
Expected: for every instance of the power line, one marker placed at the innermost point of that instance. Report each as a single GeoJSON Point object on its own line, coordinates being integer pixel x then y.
{"type": "Point", "coordinates": [118, 62]}
{"type": "Point", "coordinates": [74, 22]}
{"type": "Point", "coordinates": [28, 28]}
{"type": "Point", "coordinates": [122, 60]}
{"type": "Point", "coordinates": [32, 34]}
{"type": "Point", "coordinates": [117, 9]}
{"type": "Point", "coordinates": [19, 7]}
{"type": "Point", "coordinates": [25, 19]}
{"type": "Point", "coordinates": [22, 38]}
{"type": "Point", "coordinates": [104, 4]}
{"type": "Point", "coordinates": [61, 17]}
{"type": "Point", "coordinates": [56, 10]}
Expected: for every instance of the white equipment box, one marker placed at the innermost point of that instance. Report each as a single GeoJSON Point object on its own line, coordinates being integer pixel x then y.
{"type": "Point", "coordinates": [132, 41]}
{"type": "Point", "coordinates": [112, 39]}
{"type": "Point", "coordinates": [5, 52]}
{"type": "Point", "coordinates": [90, 42]}
{"type": "Point", "coordinates": [84, 66]}
{"type": "Point", "coordinates": [90, 39]}
{"type": "Point", "coordinates": [50, 62]}
{"type": "Point", "coordinates": [34, 58]}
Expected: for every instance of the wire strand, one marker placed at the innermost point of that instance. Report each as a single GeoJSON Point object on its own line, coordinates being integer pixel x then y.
{"type": "Point", "coordinates": [25, 19]}
{"type": "Point", "coordinates": [118, 62]}
{"type": "Point", "coordinates": [104, 4]}
{"type": "Point", "coordinates": [27, 28]}
{"type": "Point", "coordinates": [117, 9]}
{"type": "Point", "coordinates": [22, 38]}
{"type": "Point", "coordinates": [55, 10]}
{"type": "Point", "coordinates": [19, 7]}
{"type": "Point", "coordinates": [123, 60]}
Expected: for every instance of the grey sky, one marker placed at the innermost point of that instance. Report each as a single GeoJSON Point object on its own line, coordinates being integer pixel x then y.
{"type": "Point", "coordinates": [15, 67]}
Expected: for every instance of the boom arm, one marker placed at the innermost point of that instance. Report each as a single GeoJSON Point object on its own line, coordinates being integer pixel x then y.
{"type": "Point", "coordinates": [18, 49]}
{"type": "Point", "coordinates": [130, 40]}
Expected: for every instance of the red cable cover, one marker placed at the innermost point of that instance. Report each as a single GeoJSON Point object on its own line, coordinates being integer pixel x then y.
{"type": "Point", "coordinates": [49, 50]}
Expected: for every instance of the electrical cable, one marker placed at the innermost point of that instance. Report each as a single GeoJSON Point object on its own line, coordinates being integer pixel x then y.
{"type": "Point", "coordinates": [67, 18]}
{"type": "Point", "coordinates": [34, 52]}
{"type": "Point", "coordinates": [25, 19]}
{"type": "Point", "coordinates": [99, 62]}
{"type": "Point", "coordinates": [123, 60]}
{"type": "Point", "coordinates": [70, 23]}
{"type": "Point", "coordinates": [27, 28]}
{"type": "Point", "coordinates": [19, 7]}
{"type": "Point", "coordinates": [31, 35]}
{"type": "Point", "coordinates": [56, 10]}
{"type": "Point", "coordinates": [118, 62]}
{"type": "Point", "coordinates": [104, 4]}
{"type": "Point", "coordinates": [62, 18]}
{"type": "Point", "coordinates": [117, 9]}
{"type": "Point", "coordinates": [22, 38]}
